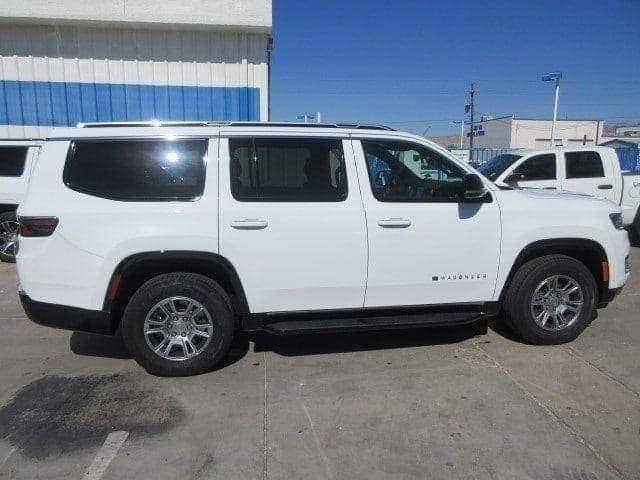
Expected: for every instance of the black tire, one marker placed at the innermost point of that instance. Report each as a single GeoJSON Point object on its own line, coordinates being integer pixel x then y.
{"type": "Point", "coordinates": [634, 231]}
{"type": "Point", "coordinates": [197, 287]}
{"type": "Point", "coordinates": [6, 217]}
{"type": "Point", "coordinates": [517, 304]}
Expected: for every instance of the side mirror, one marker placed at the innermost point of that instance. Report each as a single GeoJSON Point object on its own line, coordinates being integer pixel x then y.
{"type": "Point", "coordinates": [474, 189]}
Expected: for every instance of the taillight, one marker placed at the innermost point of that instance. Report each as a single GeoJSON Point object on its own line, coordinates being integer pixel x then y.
{"type": "Point", "coordinates": [37, 226]}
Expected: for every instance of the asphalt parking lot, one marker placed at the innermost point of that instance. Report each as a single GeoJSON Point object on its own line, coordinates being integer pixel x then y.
{"type": "Point", "coordinates": [423, 404]}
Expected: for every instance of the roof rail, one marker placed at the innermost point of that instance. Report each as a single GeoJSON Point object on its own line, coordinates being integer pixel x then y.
{"type": "Point", "coordinates": [363, 126]}
{"type": "Point", "coordinates": [150, 123]}
{"type": "Point", "coordinates": [159, 123]}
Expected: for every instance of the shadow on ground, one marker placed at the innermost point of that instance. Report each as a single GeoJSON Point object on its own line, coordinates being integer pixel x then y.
{"type": "Point", "coordinates": [363, 341]}
{"type": "Point", "coordinates": [299, 345]}
{"type": "Point", "coordinates": [90, 345]}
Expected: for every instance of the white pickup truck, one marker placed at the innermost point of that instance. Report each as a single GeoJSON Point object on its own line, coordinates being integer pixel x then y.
{"type": "Point", "coordinates": [590, 170]}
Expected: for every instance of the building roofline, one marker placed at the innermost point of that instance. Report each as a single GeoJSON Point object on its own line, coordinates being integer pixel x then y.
{"type": "Point", "coordinates": [121, 24]}
{"type": "Point", "coordinates": [492, 119]}
{"type": "Point", "coordinates": [514, 117]}
{"type": "Point", "coordinates": [558, 120]}
{"type": "Point", "coordinates": [237, 15]}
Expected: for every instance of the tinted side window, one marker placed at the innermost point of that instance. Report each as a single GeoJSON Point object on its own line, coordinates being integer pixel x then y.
{"type": "Point", "coordinates": [540, 167]}
{"type": "Point", "coordinates": [584, 165]}
{"type": "Point", "coordinates": [287, 170]}
{"type": "Point", "coordinates": [137, 170]}
{"type": "Point", "coordinates": [405, 172]}
{"type": "Point", "coordinates": [12, 160]}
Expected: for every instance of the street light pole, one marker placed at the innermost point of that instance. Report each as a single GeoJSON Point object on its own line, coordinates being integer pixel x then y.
{"type": "Point", "coordinates": [549, 77]}
{"type": "Point", "coordinates": [461, 122]}
{"type": "Point", "coordinates": [555, 113]}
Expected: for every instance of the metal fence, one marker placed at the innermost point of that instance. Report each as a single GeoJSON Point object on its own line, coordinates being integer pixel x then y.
{"type": "Point", "coordinates": [629, 157]}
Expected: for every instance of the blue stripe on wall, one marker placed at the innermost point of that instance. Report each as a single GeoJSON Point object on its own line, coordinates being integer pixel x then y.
{"type": "Point", "coordinates": [66, 104]}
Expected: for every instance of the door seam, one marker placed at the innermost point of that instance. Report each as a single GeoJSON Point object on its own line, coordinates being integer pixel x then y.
{"type": "Point", "coordinates": [366, 222]}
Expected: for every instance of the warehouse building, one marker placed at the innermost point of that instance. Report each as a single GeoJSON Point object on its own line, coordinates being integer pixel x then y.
{"type": "Point", "coordinates": [63, 62]}
{"type": "Point", "coordinates": [512, 132]}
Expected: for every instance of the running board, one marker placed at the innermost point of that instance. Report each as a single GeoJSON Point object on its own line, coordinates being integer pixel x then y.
{"type": "Point", "coordinates": [299, 326]}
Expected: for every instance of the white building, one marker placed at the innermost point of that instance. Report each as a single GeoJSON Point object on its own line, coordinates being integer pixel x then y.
{"type": "Point", "coordinates": [69, 61]}
{"type": "Point", "coordinates": [512, 132]}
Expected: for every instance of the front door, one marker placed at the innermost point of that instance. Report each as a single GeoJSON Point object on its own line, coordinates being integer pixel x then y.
{"type": "Point", "coordinates": [539, 171]}
{"type": "Point", "coordinates": [425, 247]}
{"type": "Point", "coordinates": [292, 222]}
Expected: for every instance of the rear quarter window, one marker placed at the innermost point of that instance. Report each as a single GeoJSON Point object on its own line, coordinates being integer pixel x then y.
{"type": "Point", "coordinates": [12, 161]}
{"type": "Point", "coordinates": [137, 170]}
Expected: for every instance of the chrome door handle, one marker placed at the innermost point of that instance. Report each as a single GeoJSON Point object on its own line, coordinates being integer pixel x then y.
{"type": "Point", "coordinates": [249, 224]}
{"type": "Point", "coordinates": [394, 223]}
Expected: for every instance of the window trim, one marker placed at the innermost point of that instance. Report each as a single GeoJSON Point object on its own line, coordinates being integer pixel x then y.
{"type": "Point", "coordinates": [413, 144]}
{"type": "Point", "coordinates": [24, 162]}
{"type": "Point", "coordinates": [566, 165]}
{"type": "Point", "coordinates": [91, 193]}
{"type": "Point", "coordinates": [252, 139]}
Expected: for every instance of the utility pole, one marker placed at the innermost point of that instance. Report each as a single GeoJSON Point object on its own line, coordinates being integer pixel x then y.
{"type": "Point", "coordinates": [469, 108]}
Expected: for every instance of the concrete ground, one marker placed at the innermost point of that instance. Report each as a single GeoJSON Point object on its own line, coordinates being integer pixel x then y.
{"type": "Point", "coordinates": [424, 404]}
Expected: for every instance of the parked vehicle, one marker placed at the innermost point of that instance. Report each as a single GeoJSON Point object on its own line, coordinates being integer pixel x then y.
{"type": "Point", "coordinates": [590, 170]}
{"type": "Point", "coordinates": [16, 160]}
{"type": "Point", "coordinates": [181, 236]}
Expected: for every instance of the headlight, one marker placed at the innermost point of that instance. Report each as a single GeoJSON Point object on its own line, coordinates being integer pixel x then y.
{"type": "Point", "coordinates": [616, 219]}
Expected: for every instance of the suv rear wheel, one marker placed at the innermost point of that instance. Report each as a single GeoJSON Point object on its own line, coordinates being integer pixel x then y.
{"type": "Point", "coordinates": [8, 237]}
{"type": "Point", "coordinates": [551, 300]}
{"type": "Point", "coordinates": [178, 324]}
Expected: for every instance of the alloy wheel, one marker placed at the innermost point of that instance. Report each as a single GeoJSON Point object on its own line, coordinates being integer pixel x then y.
{"type": "Point", "coordinates": [178, 328]}
{"type": "Point", "coordinates": [557, 303]}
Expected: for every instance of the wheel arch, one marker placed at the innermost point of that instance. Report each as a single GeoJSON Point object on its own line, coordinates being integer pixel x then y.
{"type": "Point", "coordinates": [133, 271]}
{"type": "Point", "coordinates": [589, 252]}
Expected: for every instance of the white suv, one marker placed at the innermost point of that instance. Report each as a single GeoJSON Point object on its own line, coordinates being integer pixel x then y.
{"type": "Point", "coordinates": [182, 235]}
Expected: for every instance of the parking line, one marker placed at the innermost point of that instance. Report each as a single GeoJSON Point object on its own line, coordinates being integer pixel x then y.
{"type": "Point", "coordinates": [323, 456]}
{"type": "Point", "coordinates": [4, 460]}
{"type": "Point", "coordinates": [105, 455]}
{"type": "Point", "coordinates": [550, 412]}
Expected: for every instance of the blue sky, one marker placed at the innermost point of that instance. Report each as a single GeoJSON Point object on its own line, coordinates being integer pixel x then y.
{"type": "Point", "coordinates": [409, 63]}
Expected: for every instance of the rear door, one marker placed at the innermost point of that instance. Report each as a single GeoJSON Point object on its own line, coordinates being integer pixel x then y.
{"type": "Point", "coordinates": [538, 171]}
{"type": "Point", "coordinates": [586, 172]}
{"type": "Point", "coordinates": [292, 222]}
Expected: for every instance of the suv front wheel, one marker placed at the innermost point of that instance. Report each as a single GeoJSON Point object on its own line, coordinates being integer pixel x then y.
{"type": "Point", "coordinates": [551, 300]}
{"type": "Point", "coordinates": [178, 324]}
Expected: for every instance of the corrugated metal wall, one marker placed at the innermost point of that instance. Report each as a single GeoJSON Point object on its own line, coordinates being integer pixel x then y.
{"type": "Point", "coordinates": [53, 76]}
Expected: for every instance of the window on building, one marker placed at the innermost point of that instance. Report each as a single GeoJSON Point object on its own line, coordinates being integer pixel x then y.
{"type": "Point", "coordinates": [287, 170]}
{"type": "Point", "coordinates": [540, 167]}
{"type": "Point", "coordinates": [584, 165]}
{"type": "Point", "coordinates": [137, 170]}
{"type": "Point", "coordinates": [12, 161]}
{"type": "Point", "coordinates": [406, 172]}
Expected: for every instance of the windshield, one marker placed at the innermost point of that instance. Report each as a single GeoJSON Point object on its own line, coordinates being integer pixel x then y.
{"type": "Point", "coordinates": [493, 168]}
